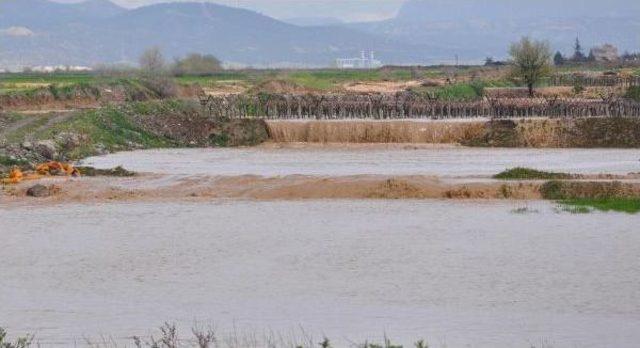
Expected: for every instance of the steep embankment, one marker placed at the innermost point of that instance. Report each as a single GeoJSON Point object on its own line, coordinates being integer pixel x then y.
{"type": "Point", "coordinates": [613, 132]}
{"type": "Point", "coordinates": [28, 139]}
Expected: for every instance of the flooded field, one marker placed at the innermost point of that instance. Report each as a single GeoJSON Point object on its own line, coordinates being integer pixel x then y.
{"type": "Point", "coordinates": [457, 274]}
{"type": "Point", "coordinates": [370, 159]}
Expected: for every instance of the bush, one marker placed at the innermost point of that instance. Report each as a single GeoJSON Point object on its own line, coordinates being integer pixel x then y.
{"type": "Point", "coordinates": [163, 87]}
{"type": "Point", "coordinates": [567, 190]}
{"type": "Point", "coordinates": [198, 65]}
{"type": "Point", "coordinates": [633, 93]}
{"type": "Point", "coordinates": [520, 173]}
{"type": "Point", "coordinates": [21, 342]}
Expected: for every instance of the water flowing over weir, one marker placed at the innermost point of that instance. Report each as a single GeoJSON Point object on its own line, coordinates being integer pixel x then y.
{"type": "Point", "coordinates": [426, 132]}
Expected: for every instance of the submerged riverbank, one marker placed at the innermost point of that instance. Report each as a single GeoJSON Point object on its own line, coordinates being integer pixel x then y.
{"type": "Point", "coordinates": [311, 172]}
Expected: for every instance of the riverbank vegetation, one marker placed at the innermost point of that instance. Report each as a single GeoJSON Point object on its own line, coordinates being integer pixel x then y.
{"type": "Point", "coordinates": [520, 173]}
{"type": "Point", "coordinates": [586, 205]}
{"type": "Point", "coordinates": [168, 336]}
{"type": "Point", "coordinates": [583, 197]}
{"type": "Point", "coordinates": [130, 126]}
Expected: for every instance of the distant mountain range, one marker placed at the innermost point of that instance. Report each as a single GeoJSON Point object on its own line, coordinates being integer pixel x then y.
{"type": "Point", "coordinates": [474, 29]}
{"type": "Point", "coordinates": [40, 32]}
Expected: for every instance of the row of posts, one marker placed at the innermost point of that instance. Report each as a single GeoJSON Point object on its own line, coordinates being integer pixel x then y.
{"type": "Point", "coordinates": [400, 106]}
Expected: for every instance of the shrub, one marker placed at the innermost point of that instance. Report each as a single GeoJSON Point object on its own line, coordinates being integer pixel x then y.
{"type": "Point", "coordinates": [633, 93]}
{"type": "Point", "coordinates": [520, 173]}
{"type": "Point", "coordinates": [566, 190]}
{"type": "Point", "coordinates": [20, 342]}
{"type": "Point", "coordinates": [198, 65]}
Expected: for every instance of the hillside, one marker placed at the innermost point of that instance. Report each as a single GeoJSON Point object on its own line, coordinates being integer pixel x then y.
{"type": "Point", "coordinates": [100, 32]}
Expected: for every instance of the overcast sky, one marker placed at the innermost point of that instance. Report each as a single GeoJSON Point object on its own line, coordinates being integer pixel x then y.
{"type": "Point", "coordinates": [347, 10]}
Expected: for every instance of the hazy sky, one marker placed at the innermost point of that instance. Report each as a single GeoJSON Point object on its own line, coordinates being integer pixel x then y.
{"type": "Point", "coordinates": [347, 10]}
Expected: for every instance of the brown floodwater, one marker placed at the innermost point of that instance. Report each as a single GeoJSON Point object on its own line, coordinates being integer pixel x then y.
{"type": "Point", "coordinates": [458, 274]}
{"type": "Point", "coordinates": [340, 160]}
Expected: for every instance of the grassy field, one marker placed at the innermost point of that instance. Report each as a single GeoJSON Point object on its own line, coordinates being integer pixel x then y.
{"type": "Point", "coordinates": [313, 79]}
{"type": "Point", "coordinates": [27, 82]}
{"type": "Point", "coordinates": [321, 79]}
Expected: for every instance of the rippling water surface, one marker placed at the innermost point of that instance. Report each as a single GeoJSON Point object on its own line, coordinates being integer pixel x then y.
{"type": "Point", "coordinates": [370, 160]}
{"type": "Point", "coordinates": [457, 274]}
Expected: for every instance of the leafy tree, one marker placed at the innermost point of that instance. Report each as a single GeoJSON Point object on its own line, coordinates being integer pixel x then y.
{"type": "Point", "coordinates": [531, 61]}
{"type": "Point", "coordinates": [197, 64]}
{"type": "Point", "coordinates": [559, 59]}
{"type": "Point", "coordinates": [488, 61]}
{"type": "Point", "coordinates": [152, 61]}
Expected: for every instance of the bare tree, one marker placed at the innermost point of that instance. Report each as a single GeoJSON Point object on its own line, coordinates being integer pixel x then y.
{"type": "Point", "coordinates": [531, 61]}
{"type": "Point", "coordinates": [152, 61]}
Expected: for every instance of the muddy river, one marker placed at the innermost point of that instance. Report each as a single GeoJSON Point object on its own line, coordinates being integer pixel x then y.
{"type": "Point", "coordinates": [370, 159]}
{"type": "Point", "coordinates": [456, 273]}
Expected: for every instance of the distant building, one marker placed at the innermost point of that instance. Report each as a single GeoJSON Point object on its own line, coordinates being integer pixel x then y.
{"type": "Point", "coordinates": [604, 53]}
{"type": "Point", "coordinates": [363, 62]}
{"type": "Point", "coordinates": [59, 68]}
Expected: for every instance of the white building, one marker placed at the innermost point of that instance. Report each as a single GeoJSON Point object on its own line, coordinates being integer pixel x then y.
{"type": "Point", "coordinates": [363, 62]}
{"type": "Point", "coordinates": [57, 68]}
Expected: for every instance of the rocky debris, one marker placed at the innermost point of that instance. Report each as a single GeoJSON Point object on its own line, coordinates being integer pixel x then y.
{"type": "Point", "coordinates": [117, 171]}
{"type": "Point", "coordinates": [41, 191]}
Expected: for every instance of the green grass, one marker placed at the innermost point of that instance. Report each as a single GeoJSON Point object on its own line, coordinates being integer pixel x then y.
{"type": "Point", "coordinates": [321, 79]}
{"type": "Point", "coordinates": [59, 78]}
{"type": "Point", "coordinates": [520, 173]}
{"type": "Point", "coordinates": [62, 82]}
{"type": "Point", "coordinates": [329, 79]}
{"type": "Point", "coordinates": [585, 205]}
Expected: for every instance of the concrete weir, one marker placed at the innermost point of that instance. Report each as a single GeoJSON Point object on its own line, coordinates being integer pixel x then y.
{"type": "Point", "coordinates": [371, 131]}
{"type": "Point", "coordinates": [539, 132]}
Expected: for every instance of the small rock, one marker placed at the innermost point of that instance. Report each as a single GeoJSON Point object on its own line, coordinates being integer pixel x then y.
{"type": "Point", "coordinates": [69, 141]}
{"type": "Point", "coordinates": [27, 145]}
{"type": "Point", "coordinates": [100, 149]}
{"type": "Point", "coordinates": [47, 149]}
{"type": "Point", "coordinates": [38, 191]}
